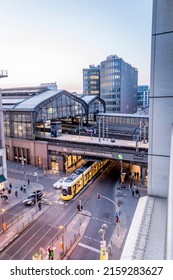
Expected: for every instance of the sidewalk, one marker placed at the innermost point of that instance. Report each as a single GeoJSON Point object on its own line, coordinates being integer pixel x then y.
{"type": "Point", "coordinates": [68, 238]}
{"type": "Point", "coordinates": [16, 185]}
{"type": "Point", "coordinates": [128, 208]}
{"type": "Point", "coordinates": [18, 223]}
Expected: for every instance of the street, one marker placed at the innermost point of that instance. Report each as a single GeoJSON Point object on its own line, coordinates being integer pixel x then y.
{"type": "Point", "coordinates": [45, 228]}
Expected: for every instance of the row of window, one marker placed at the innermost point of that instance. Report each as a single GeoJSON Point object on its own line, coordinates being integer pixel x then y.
{"type": "Point", "coordinates": [124, 120]}
{"type": "Point", "coordinates": [110, 96]}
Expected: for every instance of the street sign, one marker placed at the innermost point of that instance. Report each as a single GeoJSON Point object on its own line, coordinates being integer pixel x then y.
{"type": "Point", "coordinates": [120, 156]}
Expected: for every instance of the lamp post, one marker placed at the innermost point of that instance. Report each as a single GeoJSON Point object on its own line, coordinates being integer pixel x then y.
{"type": "Point", "coordinates": [117, 207]}
{"type": "Point", "coordinates": [103, 253]}
{"type": "Point", "coordinates": [36, 174]}
{"type": "Point", "coordinates": [4, 225]}
{"type": "Point", "coordinates": [107, 128]}
{"type": "Point", "coordinates": [62, 242]}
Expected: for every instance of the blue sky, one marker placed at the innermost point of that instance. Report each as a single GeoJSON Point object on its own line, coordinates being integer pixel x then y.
{"type": "Point", "coordinates": [53, 40]}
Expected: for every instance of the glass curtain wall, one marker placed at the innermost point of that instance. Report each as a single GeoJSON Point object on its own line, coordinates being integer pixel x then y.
{"type": "Point", "coordinates": [61, 107]}
{"type": "Point", "coordinates": [18, 125]}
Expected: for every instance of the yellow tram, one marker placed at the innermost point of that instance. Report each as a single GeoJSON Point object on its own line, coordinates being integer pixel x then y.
{"type": "Point", "coordinates": [78, 179]}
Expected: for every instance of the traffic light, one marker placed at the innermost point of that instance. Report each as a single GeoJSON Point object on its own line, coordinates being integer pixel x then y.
{"type": "Point", "coordinates": [98, 196]}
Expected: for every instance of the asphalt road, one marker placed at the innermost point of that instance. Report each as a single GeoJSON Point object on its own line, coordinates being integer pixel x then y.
{"type": "Point", "coordinates": [45, 228]}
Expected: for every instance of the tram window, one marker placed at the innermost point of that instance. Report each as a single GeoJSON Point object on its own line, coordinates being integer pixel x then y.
{"type": "Point", "coordinates": [69, 190]}
{"type": "Point", "coordinates": [79, 183]}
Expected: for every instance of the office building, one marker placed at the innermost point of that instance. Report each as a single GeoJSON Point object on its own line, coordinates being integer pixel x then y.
{"type": "Point", "coordinates": [91, 80]}
{"type": "Point", "coordinates": [118, 85]}
{"type": "Point", "coordinates": [143, 95]}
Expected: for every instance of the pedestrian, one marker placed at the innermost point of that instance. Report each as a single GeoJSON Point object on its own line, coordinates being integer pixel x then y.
{"type": "Point", "coordinates": [130, 186]}
{"type": "Point", "coordinates": [5, 197]}
{"type": "Point", "coordinates": [50, 253]}
{"type": "Point", "coordinates": [134, 187]}
{"type": "Point", "coordinates": [21, 188]}
{"type": "Point", "coordinates": [16, 193]}
{"type": "Point", "coordinates": [24, 189]}
{"type": "Point", "coordinates": [133, 193]}
{"type": "Point", "coordinates": [28, 182]}
{"type": "Point", "coordinates": [9, 191]}
{"type": "Point", "coordinates": [39, 205]}
{"type": "Point", "coordinates": [137, 193]}
{"type": "Point", "coordinates": [10, 186]}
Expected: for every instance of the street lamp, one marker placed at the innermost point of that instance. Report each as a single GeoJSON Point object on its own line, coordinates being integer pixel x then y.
{"type": "Point", "coordinates": [4, 225]}
{"type": "Point", "coordinates": [103, 253]}
{"type": "Point", "coordinates": [36, 174]}
{"type": "Point", "coordinates": [62, 242]}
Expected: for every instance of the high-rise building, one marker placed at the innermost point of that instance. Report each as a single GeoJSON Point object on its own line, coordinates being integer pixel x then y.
{"type": "Point", "coordinates": [143, 97]}
{"type": "Point", "coordinates": [3, 165]}
{"type": "Point", "coordinates": [91, 80]}
{"type": "Point", "coordinates": [118, 85]}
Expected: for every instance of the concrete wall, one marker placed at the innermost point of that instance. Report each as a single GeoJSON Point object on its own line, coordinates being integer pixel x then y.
{"type": "Point", "coordinates": [161, 97]}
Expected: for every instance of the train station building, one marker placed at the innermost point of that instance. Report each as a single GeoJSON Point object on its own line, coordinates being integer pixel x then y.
{"type": "Point", "coordinates": [34, 115]}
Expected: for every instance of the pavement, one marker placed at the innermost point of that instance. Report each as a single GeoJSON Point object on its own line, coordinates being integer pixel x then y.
{"type": "Point", "coordinates": [73, 233]}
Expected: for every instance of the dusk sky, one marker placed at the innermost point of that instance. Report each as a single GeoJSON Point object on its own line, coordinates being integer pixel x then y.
{"type": "Point", "coordinates": [53, 40]}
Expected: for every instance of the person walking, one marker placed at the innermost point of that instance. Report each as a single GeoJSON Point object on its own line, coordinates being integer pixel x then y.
{"type": "Point", "coordinates": [39, 205]}
{"type": "Point", "coordinates": [130, 186]}
{"type": "Point", "coordinates": [133, 193]}
{"type": "Point", "coordinates": [50, 253]}
{"type": "Point", "coordinates": [16, 193]}
{"type": "Point", "coordinates": [28, 182]}
{"type": "Point", "coordinates": [137, 193]}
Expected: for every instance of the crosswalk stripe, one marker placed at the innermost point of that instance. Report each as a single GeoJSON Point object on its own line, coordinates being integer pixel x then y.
{"type": "Point", "coordinates": [89, 247]}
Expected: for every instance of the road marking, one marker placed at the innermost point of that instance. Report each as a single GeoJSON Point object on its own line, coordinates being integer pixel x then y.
{"type": "Point", "coordinates": [89, 247]}
{"type": "Point", "coordinates": [101, 220]}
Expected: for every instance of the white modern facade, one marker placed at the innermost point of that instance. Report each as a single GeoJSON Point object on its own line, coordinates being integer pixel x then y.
{"type": "Point", "coordinates": [151, 233]}
{"type": "Point", "coordinates": [3, 165]}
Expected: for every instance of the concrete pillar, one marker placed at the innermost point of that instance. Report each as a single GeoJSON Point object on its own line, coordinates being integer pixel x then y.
{"type": "Point", "coordinates": [61, 163]}
{"type": "Point", "coordinates": [161, 98]}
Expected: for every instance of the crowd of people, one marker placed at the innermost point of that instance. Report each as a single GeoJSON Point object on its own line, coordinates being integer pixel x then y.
{"type": "Point", "coordinates": [5, 193]}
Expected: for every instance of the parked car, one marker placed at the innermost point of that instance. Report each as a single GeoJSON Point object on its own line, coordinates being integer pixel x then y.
{"type": "Point", "coordinates": [58, 184]}
{"type": "Point", "coordinates": [33, 197]}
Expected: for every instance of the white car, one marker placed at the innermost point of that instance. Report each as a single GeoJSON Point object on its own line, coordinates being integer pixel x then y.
{"type": "Point", "coordinates": [58, 185]}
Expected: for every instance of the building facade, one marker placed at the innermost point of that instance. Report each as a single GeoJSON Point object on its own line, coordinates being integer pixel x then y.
{"type": "Point", "coordinates": [143, 95]}
{"type": "Point", "coordinates": [3, 165]}
{"type": "Point", "coordinates": [118, 85]}
{"type": "Point", "coordinates": [91, 80]}
{"type": "Point", "coordinates": [33, 116]}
